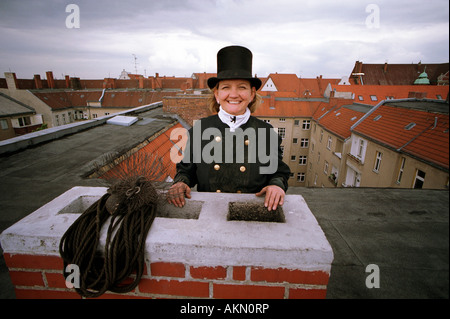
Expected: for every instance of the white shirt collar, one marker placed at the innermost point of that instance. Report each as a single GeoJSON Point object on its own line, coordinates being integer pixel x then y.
{"type": "Point", "coordinates": [233, 121]}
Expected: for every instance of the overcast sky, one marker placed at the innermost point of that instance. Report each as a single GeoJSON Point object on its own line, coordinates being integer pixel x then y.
{"type": "Point", "coordinates": [180, 37]}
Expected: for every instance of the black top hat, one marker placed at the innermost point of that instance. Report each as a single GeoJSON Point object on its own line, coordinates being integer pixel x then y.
{"type": "Point", "coordinates": [234, 62]}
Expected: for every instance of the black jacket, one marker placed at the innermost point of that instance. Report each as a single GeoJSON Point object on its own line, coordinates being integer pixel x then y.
{"type": "Point", "coordinates": [207, 163]}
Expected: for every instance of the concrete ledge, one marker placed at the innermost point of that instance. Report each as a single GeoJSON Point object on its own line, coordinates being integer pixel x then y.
{"type": "Point", "coordinates": [208, 240]}
{"type": "Point", "coordinates": [190, 252]}
{"type": "Point", "coordinates": [22, 142]}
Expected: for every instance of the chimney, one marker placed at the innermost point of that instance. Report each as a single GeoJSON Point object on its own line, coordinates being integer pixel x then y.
{"type": "Point", "coordinates": [385, 67]}
{"type": "Point", "coordinates": [11, 81]}
{"type": "Point", "coordinates": [141, 82]}
{"type": "Point", "coordinates": [67, 81]}
{"type": "Point", "coordinates": [75, 83]}
{"type": "Point", "coordinates": [360, 64]}
{"type": "Point", "coordinates": [37, 81]}
{"type": "Point", "coordinates": [319, 83]}
{"type": "Point", "coordinates": [50, 80]}
{"type": "Point", "coordinates": [272, 101]}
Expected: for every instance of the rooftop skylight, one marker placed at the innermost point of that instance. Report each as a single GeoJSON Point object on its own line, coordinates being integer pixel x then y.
{"type": "Point", "coordinates": [376, 118]}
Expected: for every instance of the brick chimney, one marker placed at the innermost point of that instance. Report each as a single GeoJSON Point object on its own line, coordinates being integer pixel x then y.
{"type": "Point", "coordinates": [385, 67]}
{"type": "Point", "coordinates": [319, 83]}
{"type": "Point", "coordinates": [272, 101]}
{"type": "Point", "coordinates": [75, 83]}
{"type": "Point", "coordinates": [67, 78]}
{"type": "Point", "coordinates": [360, 65]}
{"type": "Point", "coordinates": [50, 80]}
{"type": "Point", "coordinates": [37, 81]}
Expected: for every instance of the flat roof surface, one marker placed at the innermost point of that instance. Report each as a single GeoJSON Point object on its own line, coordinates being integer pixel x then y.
{"type": "Point", "coordinates": [405, 232]}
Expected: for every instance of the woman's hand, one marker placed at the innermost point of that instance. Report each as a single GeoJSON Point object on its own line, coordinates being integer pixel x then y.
{"type": "Point", "coordinates": [274, 196]}
{"type": "Point", "coordinates": [177, 192]}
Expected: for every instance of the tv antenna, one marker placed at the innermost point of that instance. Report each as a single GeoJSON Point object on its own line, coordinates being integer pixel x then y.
{"type": "Point", "coordinates": [135, 63]}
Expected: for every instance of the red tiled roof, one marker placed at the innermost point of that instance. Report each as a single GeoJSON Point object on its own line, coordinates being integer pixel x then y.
{"type": "Point", "coordinates": [65, 99]}
{"type": "Point", "coordinates": [159, 147]}
{"type": "Point", "coordinates": [298, 87]}
{"type": "Point", "coordinates": [422, 140]}
{"type": "Point", "coordinates": [315, 87]}
{"type": "Point", "coordinates": [339, 121]}
{"type": "Point", "coordinates": [284, 82]}
{"type": "Point", "coordinates": [396, 74]}
{"type": "Point", "coordinates": [383, 92]}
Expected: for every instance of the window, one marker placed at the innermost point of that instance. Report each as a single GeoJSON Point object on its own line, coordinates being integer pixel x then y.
{"type": "Point", "coordinates": [293, 157]}
{"type": "Point", "coordinates": [302, 160]}
{"type": "Point", "coordinates": [4, 124]}
{"type": "Point", "coordinates": [296, 122]}
{"type": "Point", "coordinates": [304, 143]}
{"type": "Point", "coordinates": [420, 179]}
{"type": "Point", "coordinates": [312, 148]}
{"type": "Point", "coordinates": [330, 142]}
{"type": "Point", "coordinates": [315, 179]}
{"type": "Point", "coordinates": [282, 132]}
{"type": "Point", "coordinates": [400, 171]}
{"type": "Point", "coordinates": [300, 177]}
{"type": "Point", "coordinates": [325, 168]}
{"type": "Point", "coordinates": [282, 150]}
{"type": "Point", "coordinates": [410, 126]}
{"type": "Point", "coordinates": [318, 157]}
{"type": "Point", "coordinates": [360, 97]}
{"type": "Point", "coordinates": [24, 121]}
{"type": "Point", "coordinates": [376, 118]}
{"type": "Point", "coordinates": [291, 175]}
{"type": "Point", "coordinates": [306, 124]}
{"type": "Point", "coordinates": [321, 136]}
{"type": "Point", "coordinates": [282, 120]}
{"type": "Point", "coordinates": [294, 140]}
{"type": "Point", "coordinates": [438, 96]}
{"type": "Point", "coordinates": [267, 121]}
{"type": "Point", "coordinates": [377, 165]}
{"type": "Point", "coordinates": [373, 98]}
{"type": "Point", "coordinates": [361, 148]}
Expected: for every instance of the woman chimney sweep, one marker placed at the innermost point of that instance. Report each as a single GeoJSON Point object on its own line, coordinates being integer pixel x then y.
{"type": "Point", "coordinates": [232, 155]}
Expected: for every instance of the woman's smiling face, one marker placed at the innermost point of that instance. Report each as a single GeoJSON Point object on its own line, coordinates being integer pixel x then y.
{"type": "Point", "coordinates": [234, 95]}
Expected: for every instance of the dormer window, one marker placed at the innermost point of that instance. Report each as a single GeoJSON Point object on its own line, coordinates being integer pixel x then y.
{"type": "Point", "coordinates": [410, 126]}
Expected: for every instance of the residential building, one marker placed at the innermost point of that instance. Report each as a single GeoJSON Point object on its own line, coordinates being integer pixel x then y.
{"type": "Point", "coordinates": [65, 101]}
{"type": "Point", "coordinates": [401, 143]}
{"type": "Point", "coordinates": [374, 94]}
{"type": "Point", "coordinates": [396, 144]}
{"type": "Point", "coordinates": [330, 142]}
{"type": "Point", "coordinates": [398, 74]}
{"type": "Point", "coordinates": [16, 118]}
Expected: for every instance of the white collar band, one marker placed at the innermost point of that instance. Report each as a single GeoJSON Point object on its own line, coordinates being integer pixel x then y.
{"type": "Point", "coordinates": [233, 121]}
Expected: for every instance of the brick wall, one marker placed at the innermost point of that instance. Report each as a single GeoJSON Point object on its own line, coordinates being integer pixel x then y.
{"type": "Point", "coordinates": [40, 277]}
